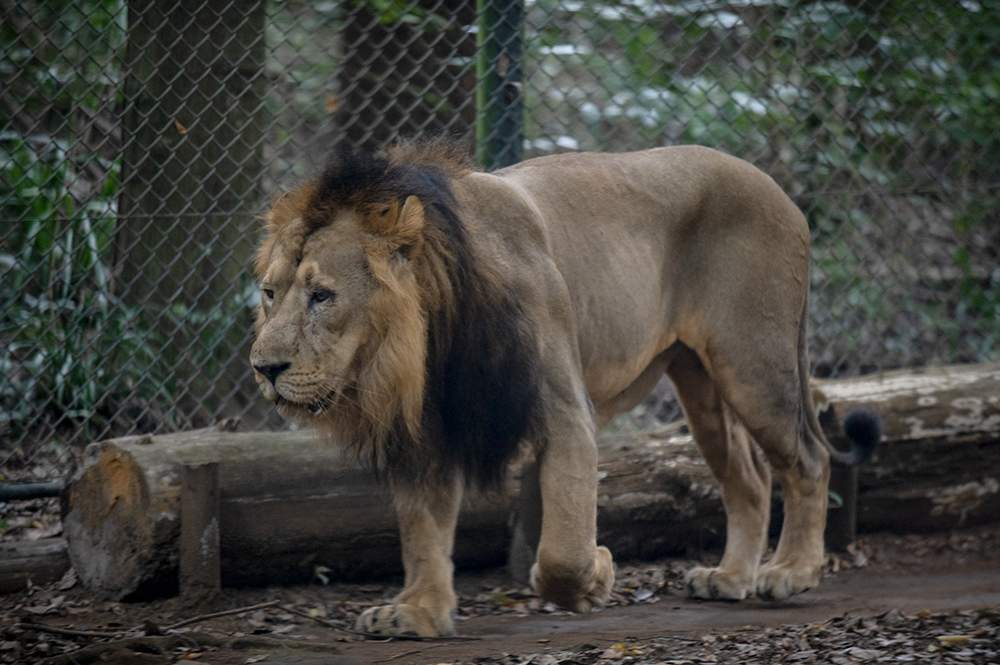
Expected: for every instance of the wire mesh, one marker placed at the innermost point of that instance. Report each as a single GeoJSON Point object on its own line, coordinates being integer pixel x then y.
{"type": "Point", "coordinates": [140, 140]}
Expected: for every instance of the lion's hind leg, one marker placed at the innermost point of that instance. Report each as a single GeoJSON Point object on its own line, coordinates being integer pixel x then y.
{"type": "Point", "coordinates": [798, 559]}
{"type": "Point", "coordinates": [740, 470]}
{"type": "Point", "coordinates": [427, 518]}
{"type": "Point", "coordinates": [767, 397]}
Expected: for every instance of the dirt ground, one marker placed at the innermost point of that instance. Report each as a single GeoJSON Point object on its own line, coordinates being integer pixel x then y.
{"type": "Point", "coordinates": [892, 599]}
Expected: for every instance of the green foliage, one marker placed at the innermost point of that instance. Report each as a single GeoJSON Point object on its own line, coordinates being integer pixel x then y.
{"type": "Point", "coordinates": [72, 354]}
{"type": "Point", "coordinates": [403, 11]}
{"type": "Point", "coordinates": [55, 304]}
{"type": "Point", "coordinates": [320, 574]}
{"type": "Point", "coordinates": [62, 53]}
{"type": "Point", "coordinates": [58, 321]}
{"type": "Point", "coordinates": [69, 344]}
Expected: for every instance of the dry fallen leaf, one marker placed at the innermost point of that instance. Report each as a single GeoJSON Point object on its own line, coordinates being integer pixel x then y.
{"type": "Point", "coordinates": [181, 129]}
{"type": "Point", "coordinates": [68, 580]}
{"type": "Point", "coordinates": [951, 640]}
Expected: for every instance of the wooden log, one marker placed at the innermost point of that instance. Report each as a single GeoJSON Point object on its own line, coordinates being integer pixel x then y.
{"type": "Point", "coordinates": [960, 402]}
{"type": "Point", "coordinates": [38, 561]}
{"type": "Point", "coordinates": [842, 519]}
{"type": "Point", "coordinates": [657, 497]}
{"type": "Point", "coordinates": [289, 503]}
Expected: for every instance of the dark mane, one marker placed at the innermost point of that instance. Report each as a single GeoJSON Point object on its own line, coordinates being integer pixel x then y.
{"type": "Point", "coordinates": [361, 179]}
{"type": "Point", "coordinates": [482, 386]}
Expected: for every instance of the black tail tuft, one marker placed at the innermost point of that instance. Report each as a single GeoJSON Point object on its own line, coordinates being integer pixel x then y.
{"type": "Point", "coordinates": [864, 429]}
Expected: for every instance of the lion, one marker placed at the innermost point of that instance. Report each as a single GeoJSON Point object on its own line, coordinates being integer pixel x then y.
{"type": "Point", "coordinates": [439, 321]}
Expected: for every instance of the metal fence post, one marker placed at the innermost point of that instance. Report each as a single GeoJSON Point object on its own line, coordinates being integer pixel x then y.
{"type": "Point", "coordinates": [499, 97]}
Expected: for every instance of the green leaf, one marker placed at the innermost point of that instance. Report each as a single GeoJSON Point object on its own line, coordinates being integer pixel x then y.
{"type": "Point", "coordinates": [320, 573]}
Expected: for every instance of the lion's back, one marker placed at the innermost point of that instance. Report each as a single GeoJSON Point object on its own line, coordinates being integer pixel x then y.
{"type": "Point", "coordinates": [637, 238]}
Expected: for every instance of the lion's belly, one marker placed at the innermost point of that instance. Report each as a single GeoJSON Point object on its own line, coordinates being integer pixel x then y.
{"type": "Point", "coordinates": [615, 391]}
{"type": "Point", "coordinates": [624, 315]}
{"type": "Point", "coordinates": [616, 351]}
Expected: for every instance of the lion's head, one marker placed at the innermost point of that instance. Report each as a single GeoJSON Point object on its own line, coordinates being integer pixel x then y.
{"type": "Point", "coordinates": [375, 312]}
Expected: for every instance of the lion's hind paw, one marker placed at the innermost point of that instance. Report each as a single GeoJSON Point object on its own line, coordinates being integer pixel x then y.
{"type": "Point", "coordinates": [400, 619]}
{"type": "Point", "coordinates": [716, 584]}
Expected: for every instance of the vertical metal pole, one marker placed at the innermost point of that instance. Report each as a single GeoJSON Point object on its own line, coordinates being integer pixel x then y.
{"type": "Point", "coordinates": [526, 531]}
{"type": "Point", "coordinates": [842, 522]}
{"type": "Point", "coordinates": [499, 98]}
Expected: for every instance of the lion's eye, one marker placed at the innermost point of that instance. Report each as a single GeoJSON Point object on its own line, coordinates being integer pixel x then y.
{"type": "Point", "coordinates": [322, 295]}
{"type": "Point", "coordinates": [268, 293]}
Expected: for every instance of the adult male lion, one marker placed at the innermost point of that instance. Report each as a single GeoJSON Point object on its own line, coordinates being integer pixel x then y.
{"type": "Point", "coordinates": [435, 318]}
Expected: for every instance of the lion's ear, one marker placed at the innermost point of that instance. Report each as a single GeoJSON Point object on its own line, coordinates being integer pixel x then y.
{"type": "Point", "coordinates": [403, 227]}
{"type": "Point", "coordinates": [410, 225]}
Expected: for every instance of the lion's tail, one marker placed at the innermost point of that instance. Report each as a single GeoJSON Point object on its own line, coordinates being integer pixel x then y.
{"type": "Point", "coordinates": [863, 428]}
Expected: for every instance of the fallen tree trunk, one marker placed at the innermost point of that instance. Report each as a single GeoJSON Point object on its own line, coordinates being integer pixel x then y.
{"type": "Point", "coordinates": [956, 403]}
{"type": "Point", "coordinates": [37, 562]}
{"type": "Point", "coordinates": [289, 504]}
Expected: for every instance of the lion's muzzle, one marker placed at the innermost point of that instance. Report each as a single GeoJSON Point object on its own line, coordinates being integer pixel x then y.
{"type": "Point", "coordinates": [271, 371]}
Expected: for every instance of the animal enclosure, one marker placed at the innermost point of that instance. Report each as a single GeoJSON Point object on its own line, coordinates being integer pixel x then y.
{"type": "Point", "coordinates": [139, 141]}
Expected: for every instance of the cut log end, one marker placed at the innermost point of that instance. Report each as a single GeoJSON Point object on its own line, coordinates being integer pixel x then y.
{"type": "Point", "coordinates": [112, 542]}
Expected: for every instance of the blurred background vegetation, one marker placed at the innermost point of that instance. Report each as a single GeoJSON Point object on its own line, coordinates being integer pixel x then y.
{"type": "Point", "coordinates": [878, 117]}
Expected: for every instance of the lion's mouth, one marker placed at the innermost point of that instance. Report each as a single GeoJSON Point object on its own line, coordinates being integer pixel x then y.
{"type": "Point", "coordinates": [316, 407]}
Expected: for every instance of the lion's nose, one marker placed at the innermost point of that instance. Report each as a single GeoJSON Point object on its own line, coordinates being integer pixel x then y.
{"type": "Point", "coordinates": [272, 370]}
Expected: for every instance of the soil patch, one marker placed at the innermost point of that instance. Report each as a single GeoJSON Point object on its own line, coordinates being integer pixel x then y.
{"type": "Point", "coordinates": [892, 598]}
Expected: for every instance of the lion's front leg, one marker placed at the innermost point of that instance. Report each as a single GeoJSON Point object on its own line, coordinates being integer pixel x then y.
{"type": "Point", "coordinates": [571, 570]}
{"type": "Point", "coordinates": [427, 518]}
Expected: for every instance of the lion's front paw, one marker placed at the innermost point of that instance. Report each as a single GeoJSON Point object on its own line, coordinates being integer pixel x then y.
{"type": "Point", "coordinates": [401, 619]}
{"type": "Point", "coordinates": [779, 581]}
{"type": "Point", "coordinates": [573, 593]}
{"type": "Point", "coordinates": [599, 590]}
{"type": "Point", "coordinates": [716, 584]}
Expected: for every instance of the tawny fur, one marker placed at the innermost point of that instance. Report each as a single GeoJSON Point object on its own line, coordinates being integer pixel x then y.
{"type": "Point", "coordinates": [408, 251]}
{"type": "Point", "coordinates": [433, 318]}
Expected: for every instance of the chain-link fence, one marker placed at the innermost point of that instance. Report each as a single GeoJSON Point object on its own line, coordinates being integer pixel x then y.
{"type": "Point", "coordinates": [139, 140]}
